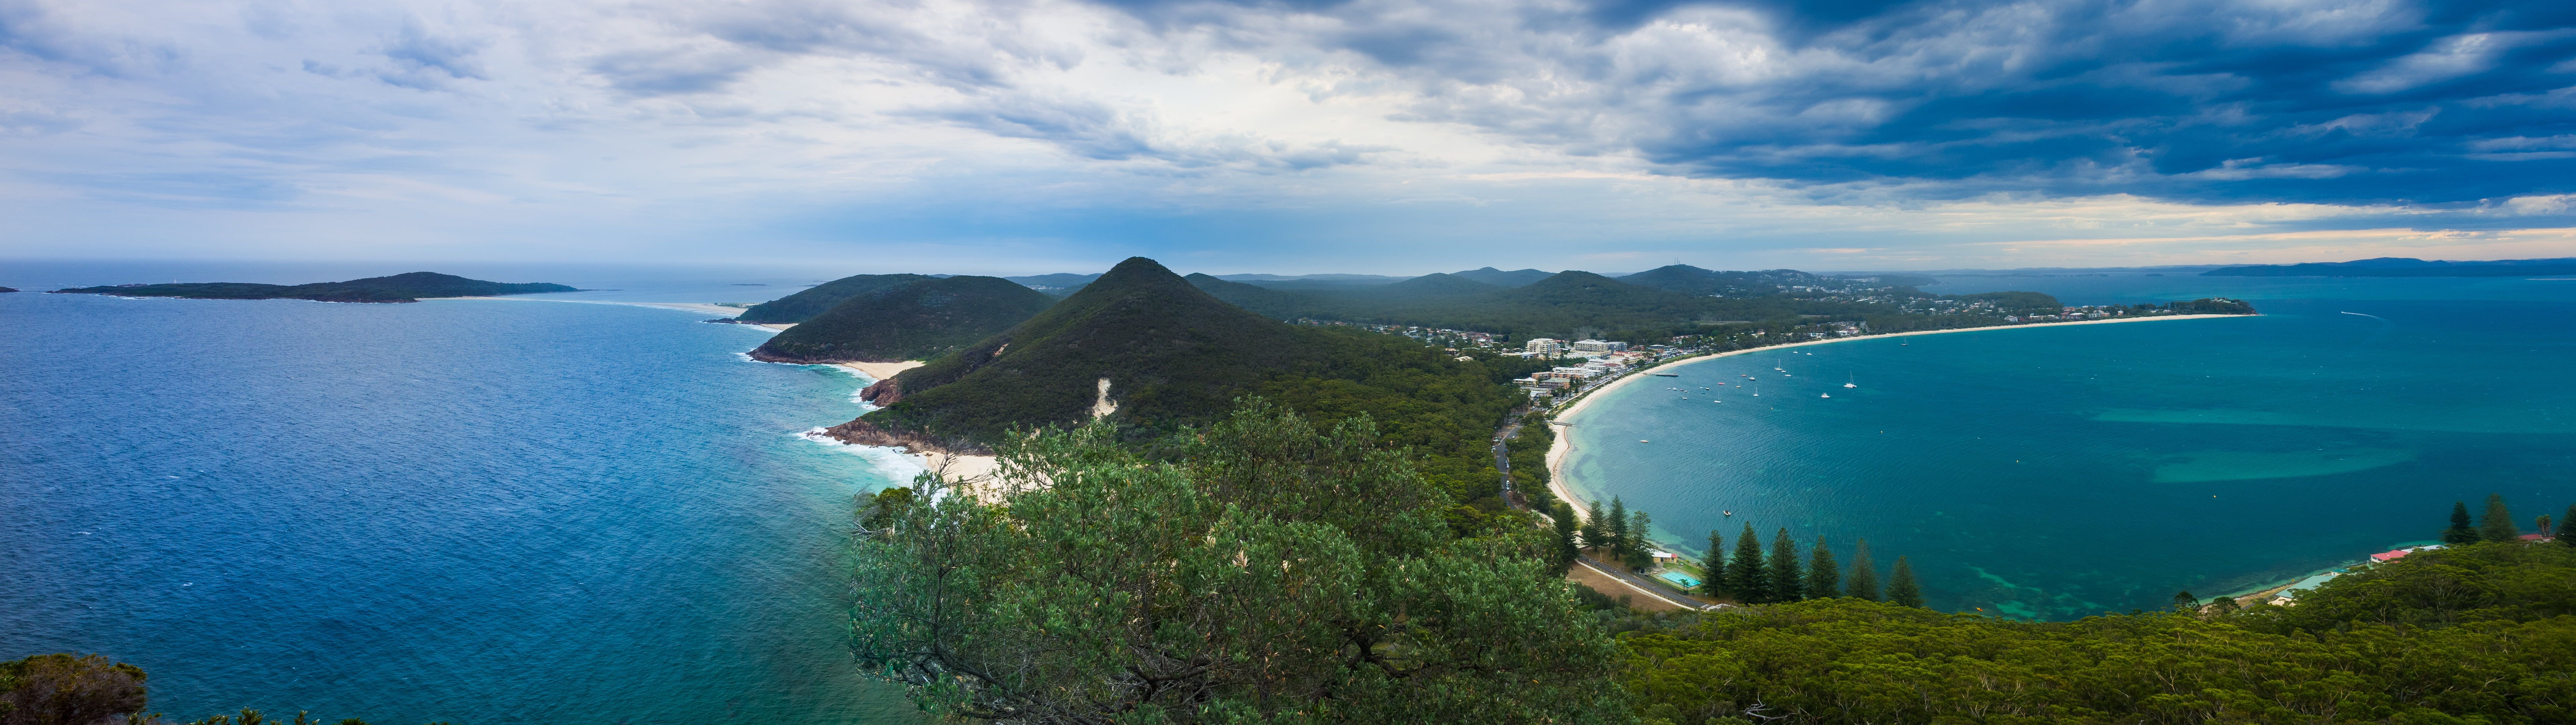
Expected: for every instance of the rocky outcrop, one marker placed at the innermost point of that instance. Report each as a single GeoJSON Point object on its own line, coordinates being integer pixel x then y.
{"type": "Point", "coordinates": [882, 393]}
{"type": "Point", "coordinates": [863, 433]}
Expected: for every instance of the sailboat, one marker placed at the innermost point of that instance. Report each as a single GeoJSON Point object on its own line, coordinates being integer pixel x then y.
{"type": "Point", "coordinates": [1757, 391]}
{"type": "Point", "coordinates": [1855, 384]}
{"type": "Point", "coordinates": [1825, 395]}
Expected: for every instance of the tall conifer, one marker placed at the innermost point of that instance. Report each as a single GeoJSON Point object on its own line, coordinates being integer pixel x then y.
{"type": "Point", "coordinates": [1593, 530]}
{"type": "Point", "coordinates": [1744, 575]}
{"type": "Point", "coordinates": [1638, 555]}
{"type": "Point", "coordinates": [1901, 589]}
{"type": "Point", "coordinates": [2567, 521]}
{"type": "Point", "coordinates": [1864, 573]}
{"type": "Point", "coordinates": [2497, 523]}
{"type": "Point", "coordinates": [1824, 576]}
{"type": "Point", "coordinates": [1786, 584]}
{"type": "Point", "coordinates": [1615, 529]}
{"type": "Point", "coordinates": [1714, 563]}
{"type": "Point", "coordinates": [2460, 531]}
{"type": "Point", "coordinates": [1567, 545]}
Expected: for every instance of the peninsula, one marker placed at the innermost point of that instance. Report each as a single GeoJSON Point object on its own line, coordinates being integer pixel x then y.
{"type": "Point", "coordinates": [408, 287]}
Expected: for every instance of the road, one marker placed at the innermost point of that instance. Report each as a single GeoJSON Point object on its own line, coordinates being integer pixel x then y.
{"type": "Point", "coordinates": [1640, 584]}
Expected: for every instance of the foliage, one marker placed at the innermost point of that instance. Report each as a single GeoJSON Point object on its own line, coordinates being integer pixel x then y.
{"type": "Point", "coordinates": [2497, 523]}
{"type": "Point", "coordinates": [1824, 576]}
{"type": "Point", "coordinates": [1746, 576]}
{"type": "Point", "coordinates": [1271, 573]}
{"type": "Point", "coordinates": [822, 297]}
{"type": "Point", "coordinates": [1787, 583]}
{"type": "Point", "coordinates": [406, 287]}
{"type": "Point", "coordinates": [63, 689]}
{"type": "Point", "coordinates": [2460, 532]}
{"type": "Point", "coordinates": [1712, 564]}
{"type": "Point", "coordinates": [1901, 589]}
{"type": "Point", "coordinates": [912, 321]}
{"type": "Point", "coordinates": [1864, 573]}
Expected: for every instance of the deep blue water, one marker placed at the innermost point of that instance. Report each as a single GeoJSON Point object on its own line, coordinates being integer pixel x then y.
{"type": "Point", "coordinates": [2061, 472]}
{"type": "Point", "coordinates": [474, 511]}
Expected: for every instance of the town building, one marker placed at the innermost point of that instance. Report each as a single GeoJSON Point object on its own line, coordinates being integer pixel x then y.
{"type": "Point", "coordinates": [1545, 347]}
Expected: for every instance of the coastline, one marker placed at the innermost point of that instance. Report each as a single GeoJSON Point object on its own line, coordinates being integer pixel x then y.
{"type": "Point", "coordinates": [1563, 447]}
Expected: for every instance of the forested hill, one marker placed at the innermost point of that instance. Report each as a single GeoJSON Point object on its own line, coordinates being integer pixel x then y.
{"type": "Point", "coordinates": [408, 287]}
{"type": "Point", "coordinates": [1654, 306]}
{"type": "Point", "coordinates": [917, 320]}
{"type": "Point", "coordinates": [2404, 267]}
{"type": "Point", "coordinates": [1174, 356]}
{"type": "Point", "coordinates": [813, 301]}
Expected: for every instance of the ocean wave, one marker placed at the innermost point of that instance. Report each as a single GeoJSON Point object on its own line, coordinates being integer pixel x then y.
{"type": "Point", "coordinates": [896, 463]}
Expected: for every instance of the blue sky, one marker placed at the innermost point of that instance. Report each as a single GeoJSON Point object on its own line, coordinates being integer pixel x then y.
{"type": "Point", "coordinates": [1025, 136]}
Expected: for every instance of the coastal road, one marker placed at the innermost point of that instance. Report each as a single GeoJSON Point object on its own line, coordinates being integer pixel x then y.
{"type": "Point", "coordinates": [1639, 585]}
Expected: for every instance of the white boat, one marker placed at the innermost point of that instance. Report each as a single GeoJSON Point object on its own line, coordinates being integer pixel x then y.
{"type": "Point", "coordinates": [1851, 384]}
{"type": "Point", "coordinates": [1826, 395]}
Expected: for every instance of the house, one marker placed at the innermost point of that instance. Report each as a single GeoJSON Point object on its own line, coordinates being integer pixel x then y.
{"type": "Point", "coordinates": [1545, 347]}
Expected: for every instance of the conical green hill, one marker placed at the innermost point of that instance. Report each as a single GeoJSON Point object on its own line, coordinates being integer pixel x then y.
{"type": "Point", "coordinates": [1169, 351]}
{"type": "Point", "coordinates": [917, 320]}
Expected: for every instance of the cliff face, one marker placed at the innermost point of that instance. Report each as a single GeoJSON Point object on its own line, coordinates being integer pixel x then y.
{"type": "Point", "coordinates": [863, 433]}
{"type": "Point", "coordinates": [882, 393]}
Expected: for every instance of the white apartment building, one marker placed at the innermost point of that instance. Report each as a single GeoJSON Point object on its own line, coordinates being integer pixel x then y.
{"type": "Point", "coordinates": [1545, 347]}
{"type": "Point", "coordinates": [1598, 346]}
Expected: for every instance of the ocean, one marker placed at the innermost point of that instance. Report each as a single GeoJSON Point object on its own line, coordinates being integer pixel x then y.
{"type": "Point", "coordinates": [2060, 472]}
{"type": "Point", "coordinates": [470, 511]}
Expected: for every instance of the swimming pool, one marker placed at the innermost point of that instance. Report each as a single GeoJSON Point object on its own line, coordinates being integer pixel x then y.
{"type": "Point", "coordinates": [1683, 580]}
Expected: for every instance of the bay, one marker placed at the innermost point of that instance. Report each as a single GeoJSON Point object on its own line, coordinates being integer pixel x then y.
{"type": "Point", "coordinates": [2058, 472]}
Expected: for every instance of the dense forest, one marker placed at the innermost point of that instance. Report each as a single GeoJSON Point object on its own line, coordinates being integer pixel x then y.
{"type": "Point", "coordinates": [406, 287]}
{"type": "Point", "coordinates": [815, 300]}
{"type": "Point", "coordinates": [916, 320]}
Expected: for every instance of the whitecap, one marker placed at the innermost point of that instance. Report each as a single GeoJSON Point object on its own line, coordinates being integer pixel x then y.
{"type": "Point", "coordinates": [895, 462]}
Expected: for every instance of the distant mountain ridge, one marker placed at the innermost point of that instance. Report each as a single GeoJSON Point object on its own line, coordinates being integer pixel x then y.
{"type": "Point", "coordinates": [406, 287]}
{"type": "Point", "coordinates": [917, 320]}
{"type": "Point", "coordinates": [2404, 267]}
{"type": "Point", "coordinates": [1492, 276]}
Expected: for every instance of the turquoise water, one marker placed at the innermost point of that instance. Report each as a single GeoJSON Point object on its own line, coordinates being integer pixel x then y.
{"type": "Point", "coordinates": [2060, 472]}
{"type": "Point", "coordinates": [1682, 579]}
{"type": "Point", "coordinates": [473, 511]}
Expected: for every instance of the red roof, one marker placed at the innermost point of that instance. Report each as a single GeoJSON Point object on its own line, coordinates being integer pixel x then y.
{"type": "Point", "coordinates": [2533, 537]}
{"type": "Point", "coordinates": [2387, 555]}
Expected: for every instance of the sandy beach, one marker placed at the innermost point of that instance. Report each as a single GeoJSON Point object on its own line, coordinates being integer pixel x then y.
{"type": "Point", "coordinates": [1564, 445]}
{"type": "Point", "coordinates": [878, 371]}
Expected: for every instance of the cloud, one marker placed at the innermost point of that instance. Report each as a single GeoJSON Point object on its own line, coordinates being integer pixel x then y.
{"type": "Point", "coordinates": [1420, 127]}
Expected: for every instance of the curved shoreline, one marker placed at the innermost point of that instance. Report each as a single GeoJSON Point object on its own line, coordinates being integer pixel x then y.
{"type": "Point", "coordinates": [1563, 447]}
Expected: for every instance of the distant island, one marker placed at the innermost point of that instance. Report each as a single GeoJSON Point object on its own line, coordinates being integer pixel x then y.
{"type": "Point", "coordinates": [2404, 267]}
{"type": "Point", "coordinates": [6, 290]}
{"type": "Point", "coordinates": [408, 287]}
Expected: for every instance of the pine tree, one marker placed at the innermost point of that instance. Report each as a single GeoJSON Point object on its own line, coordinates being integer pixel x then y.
{"type": "Point", "coordinates": [2497, 524]}
{"type": "Point", "coordinates": [1567, 545]}
{"type": "Point", "coordinates": [1900, 585]}
{"type": "Point", "coordinates": [2564, 522]}
{"type": "Point", "coordinates": [1638, 553]}
{"type": "Point", "coordinates": [1824, 577]}
{"type": "Point", "coordinates": [1593, 532]}
{"type": "Point", "coordinates": [1864, 573]}
{"type": "Point", "coordinates": [1713, 580]}
{"type": "Point", "coordinates": [1744, 575]}
{"type": "Point", "coordinates": [2460, 533]}
{"type": "Point", "coordinates": [1615, 529]}
{"type": "Point", "coordinates": [1785, 575]}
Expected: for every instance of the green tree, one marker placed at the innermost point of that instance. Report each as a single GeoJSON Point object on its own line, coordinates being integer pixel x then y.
{"type": "Point", "coordinates": [1901, 589]}
{"type": "Point", "coordinates": [2183, 601]}
{"type": "Point", "coordinates": [1824, 576]}
{"type": "Point", "coordinates": [1636, 550]}
{"type": "Point", "coordinates": [1615, 529]}
{"type": "Point", "coordinates": [2543, 525]}
{"type": "Point", "coordinates": [2497, 523]}
{"type": "Point", "coordinates": [1595, 533]}
{"type": "Point", "coordinates": [1265, 572]}
{"type": "Point", "coordinates": [2565, 521]}
{"type": "Point", "coordinates": [1568, 544]}
{"type": "Point", "coordinates": [2460, 532]}
{"type": "Point", "coordinates": [62, 689]}
{"type": "Point", "coordinates": [1713, 564]}
{"type": "Point", "coordinates": [1745, 575]}
{"type": "Point", "coordinates": [1783, 566]}
{"type": "Point", "coordinates": [1864, 573]}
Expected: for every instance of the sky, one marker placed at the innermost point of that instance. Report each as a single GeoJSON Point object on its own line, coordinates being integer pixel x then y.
{"type": "Point", "coordinates": [1288, 136]}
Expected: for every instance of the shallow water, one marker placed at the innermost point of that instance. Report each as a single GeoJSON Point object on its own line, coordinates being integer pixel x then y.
{"type": "Point", "coordinates": [2060, 472]}
{"type": "Point", "coordinates": [473, 511]}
